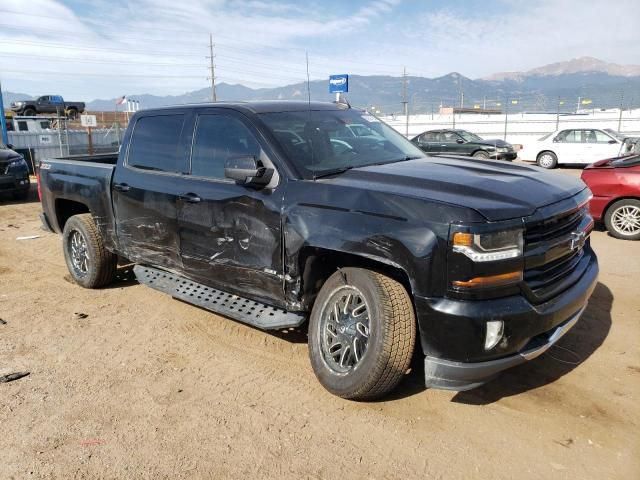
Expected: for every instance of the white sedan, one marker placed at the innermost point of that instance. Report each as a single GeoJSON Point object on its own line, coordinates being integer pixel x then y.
{"type": "Point", "coordinates": [573, 145]}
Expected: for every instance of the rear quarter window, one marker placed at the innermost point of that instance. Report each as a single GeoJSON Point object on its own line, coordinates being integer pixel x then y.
{"type": "Point", "coordinates": [155, 144]}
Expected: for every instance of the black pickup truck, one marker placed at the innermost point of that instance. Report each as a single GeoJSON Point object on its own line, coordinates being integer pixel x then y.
{"type": "Point", "coordinates": [266, 213]}
{"type": "Point", "coordinates": [48, 104]}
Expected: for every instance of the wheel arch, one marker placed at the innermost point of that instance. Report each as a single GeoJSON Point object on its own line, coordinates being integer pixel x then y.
{"type": "Point", "coordinates": [317, 264]}
{"type": "Point", "coordinates": [65, 209]}
{"type": "Point", "coordinates": [605, 210]}
{"type": "Point", "coordinates": [546, 151]}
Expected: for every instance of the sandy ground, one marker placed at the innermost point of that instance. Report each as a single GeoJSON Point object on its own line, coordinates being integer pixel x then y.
{"type": "Point", "coordinates": [148, 387]}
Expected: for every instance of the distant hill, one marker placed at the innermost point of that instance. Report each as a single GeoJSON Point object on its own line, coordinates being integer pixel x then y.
{"type": "Point", "coordinates": [535, 90]}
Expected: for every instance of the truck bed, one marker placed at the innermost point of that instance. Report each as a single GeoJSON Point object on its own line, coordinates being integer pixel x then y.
{"type": "Point", "coordinates": [110, 158]}
{"type": "Point", "coordinates": [79, 184]}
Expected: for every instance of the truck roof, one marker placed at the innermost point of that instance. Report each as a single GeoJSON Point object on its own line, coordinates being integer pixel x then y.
{"type": "Point", "coordinates": [259, 106]}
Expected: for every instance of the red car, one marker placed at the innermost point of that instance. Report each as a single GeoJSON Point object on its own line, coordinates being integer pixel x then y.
{"type": "Point", "coordinates": [615, 184]}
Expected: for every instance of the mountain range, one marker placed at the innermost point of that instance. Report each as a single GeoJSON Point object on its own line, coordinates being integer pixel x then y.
{"type": "Point", "coordinates": [599, 84]}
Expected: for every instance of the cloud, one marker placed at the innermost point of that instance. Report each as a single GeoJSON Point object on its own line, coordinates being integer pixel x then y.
{"type": "Point", "coordinates": [107, 48]}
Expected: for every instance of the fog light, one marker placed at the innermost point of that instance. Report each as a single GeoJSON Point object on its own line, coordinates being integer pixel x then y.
{"type": "Point", "coordinates": [495, 329]}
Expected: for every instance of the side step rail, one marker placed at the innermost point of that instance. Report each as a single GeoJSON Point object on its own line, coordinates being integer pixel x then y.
{"type": "Point", "coordinates": [242, 309]}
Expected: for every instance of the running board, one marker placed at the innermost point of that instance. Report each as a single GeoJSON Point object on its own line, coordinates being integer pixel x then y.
{"type": "Point", "coordinates": [242, 309]}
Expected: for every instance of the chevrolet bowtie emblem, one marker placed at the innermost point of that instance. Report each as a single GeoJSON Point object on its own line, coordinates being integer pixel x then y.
{"type": "Point", "coordinates": [577, 240]}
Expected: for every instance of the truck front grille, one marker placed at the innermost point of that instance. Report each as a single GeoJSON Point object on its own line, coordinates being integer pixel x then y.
{"type": "Point", "coordinates": [555, 257]}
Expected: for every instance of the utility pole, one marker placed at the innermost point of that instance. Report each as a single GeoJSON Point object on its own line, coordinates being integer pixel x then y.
{"type": "Point", "coordinates": [578, 106]}
{"type": "Point", "coordinates": [484, 103]}
{"type": "Point", "coordinates": [3, 122]}
{"type": "Point", "coordinates": [506, 117]}
{"type": "Point", "coordinates": [621, 104]}
{"type": "Point", "coordinates": [405, 103]}
{"type": "Point", "coordinates": [558, 115]}
{"type": "Point", "coordinates": [212, 68]}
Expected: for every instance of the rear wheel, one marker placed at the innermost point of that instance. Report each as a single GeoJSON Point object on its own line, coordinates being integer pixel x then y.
{"type": "Point", "coordinates": [90, 264]}
{"type": "Point", "coordinates": [362, 334]}
{"type": "Point", "coordinates": [72, 113]}
{"type": "Point", "coordinates": [481, 154]}
{"type": "Point", "coordinates": [623, 219]}
{"type": "Point", "coordinates": [29, 112]}
{"type": "Point", "coordinates": [547, 160]}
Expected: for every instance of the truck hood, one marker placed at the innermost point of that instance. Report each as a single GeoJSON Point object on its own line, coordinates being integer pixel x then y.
{"type": "Point", "coordinates": [497, 142]}
{"type": "Point", "coordinates": [497, 190]}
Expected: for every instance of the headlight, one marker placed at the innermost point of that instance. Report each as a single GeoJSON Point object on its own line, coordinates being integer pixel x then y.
{"type": "Point", "coordinates": [17, 163]}
{"type": "Point", "coordinates": [19, 104]}
{"type": "Point", "coordinates": [503, 149]}
{"type": "Point", "coordinates": [489, 247]}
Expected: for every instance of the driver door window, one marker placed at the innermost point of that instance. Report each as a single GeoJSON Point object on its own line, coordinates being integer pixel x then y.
{"type": "Point", "coordinates": [218, 138]}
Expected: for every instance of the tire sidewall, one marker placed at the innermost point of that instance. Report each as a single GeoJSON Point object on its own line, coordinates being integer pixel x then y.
{"type": "Point", "coordinates": [554, 160]}
{"type": "Point", "coordinates": [89, 279]}
{"type": "Point", "coordinates": [481, 154]}
{"type": "Point", "coordinates": [349, 383]}
{"type": "Point", "coordinates": [609, 224]}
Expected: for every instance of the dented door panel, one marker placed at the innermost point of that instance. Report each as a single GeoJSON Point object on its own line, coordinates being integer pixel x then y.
{"type": "Point", "coordinates": [231, 239]}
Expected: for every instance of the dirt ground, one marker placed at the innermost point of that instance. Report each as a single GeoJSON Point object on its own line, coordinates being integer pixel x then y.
{"type": "Point", "coordinates": [126, 382]}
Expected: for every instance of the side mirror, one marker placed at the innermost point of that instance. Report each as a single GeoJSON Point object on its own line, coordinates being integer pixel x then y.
{"type": "Point", "coordinates": [459, 141]}
{"type": "Point", "coordinates": [10, 146]}
{"type": "Point", "coordinates": [247, 170]}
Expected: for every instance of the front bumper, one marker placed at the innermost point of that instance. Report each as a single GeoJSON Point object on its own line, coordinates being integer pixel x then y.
{"type": "Point", "coordinates": [452, 331]}
{"type": "Point", "coordinates": [504, 156]}
{"type": "Point", "coordinates": [459, 376]}
{"type": "Point", "coordinates": [13, 184]}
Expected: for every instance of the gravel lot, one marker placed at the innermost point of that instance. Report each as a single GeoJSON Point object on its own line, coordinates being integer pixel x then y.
{"type": "Point", "coordinates": [126, 382]}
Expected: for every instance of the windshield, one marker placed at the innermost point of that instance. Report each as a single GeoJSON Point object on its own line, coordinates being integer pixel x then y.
{"type": "Point", "coordinates": [468, 136]}
{"type": "Point", "coordinates": [613, 133]}
{"type": "Point", "coordinates": [626, 161]}
{"type": "Point", "coordinates": [323, 141]}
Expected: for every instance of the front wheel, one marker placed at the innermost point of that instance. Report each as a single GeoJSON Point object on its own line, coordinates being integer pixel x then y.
{"type": "Point", "coordinates": [29, 112]}
{"type": "Point", "coordinates": [90, 264]}
{"type": "Point", "coordinates": [623, 219]}
{"type": "Point", "coordinates": [362, 333]}
{"type": "Point", "coordinates": [547, 160]}
{"type": "Point", "coordinates": [481, 154]}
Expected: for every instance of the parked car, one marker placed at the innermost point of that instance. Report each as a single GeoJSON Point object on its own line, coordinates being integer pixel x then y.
{"type": "Point", "coordinates": [14, 173]}
{"type": "Point", "coordinates": [48, 104]}
{"type": "Point", "coordinates": [462, 142]}
{"type": "Point", "coordinates": [573, 146]}
{"type": "Point", "coordinates": [252, 211]}
{"type": "Point", "coordinates": [615, 184]}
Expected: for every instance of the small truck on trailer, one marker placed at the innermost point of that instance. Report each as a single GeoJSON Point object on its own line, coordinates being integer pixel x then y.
{"type": "Point", "coordinates": [267, 213]}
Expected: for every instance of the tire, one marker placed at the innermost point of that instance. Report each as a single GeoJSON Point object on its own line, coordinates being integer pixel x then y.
{"type": "Point", "coordinates": [72, 113]}
{"type": "Point", "coordinates": [481, 154]}
{"type": "Point", "coordinates": [93, 266]}
{"type": "Point", "coordinates": [547, 160]}
{"type": "Point", "coordinates": [29, 112]}
{"type": "Point", "coordinates": [375, 362]}
{"type": "Point", "coordinates": [623, 219]}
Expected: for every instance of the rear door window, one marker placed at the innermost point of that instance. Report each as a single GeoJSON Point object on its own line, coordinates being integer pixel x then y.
{"type": "Point", "coordinates": [155, 144]}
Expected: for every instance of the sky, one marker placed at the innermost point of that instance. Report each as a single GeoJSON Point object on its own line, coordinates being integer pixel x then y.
{"type": "Point", "coordinates": [88, 49]}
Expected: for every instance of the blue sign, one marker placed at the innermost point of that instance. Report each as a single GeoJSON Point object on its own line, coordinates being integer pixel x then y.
{"type": "Point", "coordinates": [339, 83]}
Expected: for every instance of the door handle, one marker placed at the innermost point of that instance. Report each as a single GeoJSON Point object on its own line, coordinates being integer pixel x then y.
{"type": "Point", "coordinates": [121, 187]}
{"type": "Point", "coordinates": [190, 197]}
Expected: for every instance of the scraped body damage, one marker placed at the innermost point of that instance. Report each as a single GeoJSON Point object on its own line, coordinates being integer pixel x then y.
{"type": "Point", "coordinates": [391, 230]}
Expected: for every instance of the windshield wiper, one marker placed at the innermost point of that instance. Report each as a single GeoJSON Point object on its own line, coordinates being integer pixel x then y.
{"type": "Point", "coordinates": [335, 171]}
